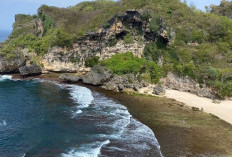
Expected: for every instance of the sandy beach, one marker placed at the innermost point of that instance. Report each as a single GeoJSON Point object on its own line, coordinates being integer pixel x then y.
{"type": "Point", "coordinates": [223, 110]}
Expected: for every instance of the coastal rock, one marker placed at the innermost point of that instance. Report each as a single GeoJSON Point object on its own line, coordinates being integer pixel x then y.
{"type": "Point", "coordinates": [120, 87]}
{"type": "Point", "coordinates": [11, 65]}
{"type": "Point", "coordinates": [215, 101]}
{"type": "Point", "coordinates": [101, 76]}
{"type": "Point", "coordinates": [30, 70]}
{"type": "Point", "coordinates": [159, 90]}
{"type": "Point", "coordinates": [70, 78]}
{"type": "Point", "coordinates": [111, 85]}
{"type": "Point", "coordinates": [97, 76]}
{"type": "Point", "coordinates": [203, 92]}
{"type": "Point", "coordinates": [124, 82]}
{"type": "Point", "coordinates": [186, 84]}
{"type": "Point", "coordinates": [195, 109]}
{"type": "Point", "coordinates": [136, 87]}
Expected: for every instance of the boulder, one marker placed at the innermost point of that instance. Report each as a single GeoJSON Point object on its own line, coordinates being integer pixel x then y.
{"type": "Point", "coordinates": [97, 76]}
{"type": "Point", "coordinates": [159, 90]}
{"type": "Point", "coordinates": [30, 70]}
{"type": "Point", "coordinates": [70, 78]}
{"type": "Point", "coordinates": [11, 65]}
{"type": "Point", "coordinates": [137, 86]}
{"type": "Point", "coordinates": [111, 85]}
{"type": "Point", "coordinates": [120, 87]}
{"type": "Point", "coordinates": [195, 109]}
{"type": "Point", "coordinates": [215, 101]}
{"type": "Point", "coordinates": [205, 93]}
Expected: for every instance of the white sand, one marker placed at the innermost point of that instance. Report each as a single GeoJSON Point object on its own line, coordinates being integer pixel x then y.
{"type": "Point", "coordinates": [222, 110]}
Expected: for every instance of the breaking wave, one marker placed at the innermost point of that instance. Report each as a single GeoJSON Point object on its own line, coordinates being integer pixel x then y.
{"type": "Point", "coordinates": [118, 132]}
{"type": "Point", "coordinates": [5, 77]}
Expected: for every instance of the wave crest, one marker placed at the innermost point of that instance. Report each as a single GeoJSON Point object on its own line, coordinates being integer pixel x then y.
{"type": "Point", "coordinates": [5, 77]}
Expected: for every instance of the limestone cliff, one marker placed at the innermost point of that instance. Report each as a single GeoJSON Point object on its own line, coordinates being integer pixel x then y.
{"type": "Point", "coordinates": [104, 43]}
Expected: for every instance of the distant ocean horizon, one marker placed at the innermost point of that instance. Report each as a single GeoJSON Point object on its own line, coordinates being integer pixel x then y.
{"type": "Point", "coordinates": [4, 35]}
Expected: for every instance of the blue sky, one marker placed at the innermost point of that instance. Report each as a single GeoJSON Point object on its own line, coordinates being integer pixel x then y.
{"type": "Point", "coordinates": [8, 8]}
{"type": "Point", "coordinates": [200, 4]}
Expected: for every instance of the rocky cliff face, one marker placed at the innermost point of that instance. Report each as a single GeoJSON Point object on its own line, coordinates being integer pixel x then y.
{"type": "Point", "coordinates": [105, 42]}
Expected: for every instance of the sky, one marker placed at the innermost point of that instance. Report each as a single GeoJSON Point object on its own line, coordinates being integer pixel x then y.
{"type": "Point", "coordinates": [200, 4]}
{"type": "Point", "coordinates": [8, 8]}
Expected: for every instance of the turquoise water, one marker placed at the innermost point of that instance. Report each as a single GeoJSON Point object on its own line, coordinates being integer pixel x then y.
{"type": "Point", "coordinates": [46, 119]}
{"type": "Point", "coordinates": [4, 35]}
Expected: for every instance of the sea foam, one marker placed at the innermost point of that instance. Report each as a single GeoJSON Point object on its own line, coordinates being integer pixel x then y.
{"type": "Point", "coordinates": [88, 150]}
{"type": "Point", "coordinates": [123, 132]}
{"type": "Point", "coordinates": [5, 77]}
{"type": "Point", "coordinates": [81, 95]}
{"type": "Point", "coordinates": [3, 123]}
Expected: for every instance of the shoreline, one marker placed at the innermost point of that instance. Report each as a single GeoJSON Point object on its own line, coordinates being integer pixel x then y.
{"type": "Point", "coordinates": [179, 130]}
{"type": "Point", "coordinates": [222, 109]}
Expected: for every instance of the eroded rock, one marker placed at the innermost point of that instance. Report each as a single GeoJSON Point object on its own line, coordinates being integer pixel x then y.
{"type": "Point", "coordinates": [186, 84]}
{"type": "Point", "coordinates": [30, 70]}
{"type": "Point", "coordinates": [69, 78]}
{"type": "Point", "coordinates": [11, 65]}
{"type": "Point", "coordinates": [97, 76]}
{"type": "Point", "coordinates": [159, 90]}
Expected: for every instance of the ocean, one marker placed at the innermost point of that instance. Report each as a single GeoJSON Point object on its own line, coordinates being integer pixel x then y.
{"type": "Point", "coordinates": [46, 119]}
{"type": "Point", "coordinates": [4, 35]}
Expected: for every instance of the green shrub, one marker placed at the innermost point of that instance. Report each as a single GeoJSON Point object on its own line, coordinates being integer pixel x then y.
{"type": "Point", "coordinates": [146, 16]}
{"type": "Point", "coordinates": [62, 39]}
{"type": "Point", "coordinates": [155, 72]}
{"type": "Point", "coordinates": [127, 63]}
{"type": "Point", "coordinates": [129, 38]}
{"type": "Point", "coordinates": [152, 51]}
{"type": "Point", "coordinates": [91, 61]}
{"type": "Point", "coordinates": [74, 60]}
{"type": "Point", "coordinates": [112, 42]}
{"type": "Point", "coordinates": [155, 23]}
{"type": "Point", "coordinates": [124, 64]}
{"type": "Point", "coordinates": [8, 49]}
{"type": "Point", "coordinates": [10, 56]}
{"type": "Point", "coordinates": [47, 23]}
{"type": "Point", "coordinates": [224, 89]}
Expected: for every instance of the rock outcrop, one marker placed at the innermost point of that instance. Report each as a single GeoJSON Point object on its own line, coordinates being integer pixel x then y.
{"type": "Point", "coordinates": [61, 60]}
{"type": "Point", "coordinates": [67, 78]}
{"type": "Point", "coordinates": [101, 76]}
{"type": "Point", "coordinates": [30, 70]}
{"type": "Point", "coordinates": [11, 65]}
{"type": "Point", "coordinates": [187, 84]}
{"type": "Point", "coordinates": [159, 90]}
{"type": "Point", "coordinates": [119, 83]}
{"type": "Point", "coordinates": [97, 76]}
